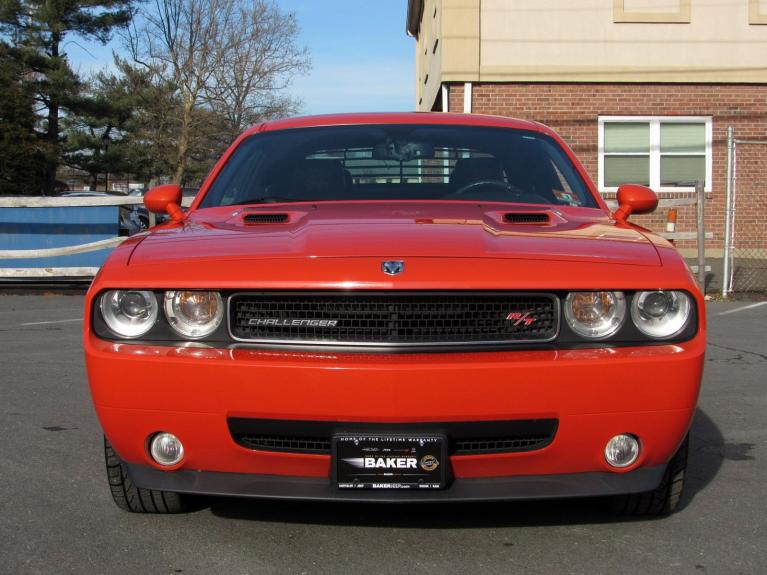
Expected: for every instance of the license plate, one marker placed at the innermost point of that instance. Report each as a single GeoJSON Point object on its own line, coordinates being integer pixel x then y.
{"type": "Point", "coordinates": [383, 461]}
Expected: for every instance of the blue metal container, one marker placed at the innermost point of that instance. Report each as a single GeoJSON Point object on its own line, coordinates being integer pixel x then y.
{"type": "Point", "coordinates": [40, 228]}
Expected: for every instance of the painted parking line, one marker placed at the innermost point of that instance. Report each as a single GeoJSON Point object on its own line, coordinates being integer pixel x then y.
{"type": "Point", "coordinates": [54, 321]}
{"type": "Point", "coordinates": [743, 308]}
{"type": "Point", "coordinates": [21, 311]}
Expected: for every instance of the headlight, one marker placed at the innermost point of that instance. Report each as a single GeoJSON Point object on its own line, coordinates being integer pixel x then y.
{"type": "Point", "coordinates": [129, 313]}
{"type": "Point", "coordinates": [595, 314]}
{"type": "Point", "coordinates": [194, 314]}
{"type": "Point", "coordinates": [660, 314]}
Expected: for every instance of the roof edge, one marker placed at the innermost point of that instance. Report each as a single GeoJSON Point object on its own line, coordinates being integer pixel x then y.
{"type": "Point", "coordinates": [395, 118]}
{"type": "Point", "coordinates": [414, 15]}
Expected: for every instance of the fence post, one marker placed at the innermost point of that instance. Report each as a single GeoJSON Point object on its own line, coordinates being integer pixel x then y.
{"type": "Point", "coordinates": [701, 196]}
{"type": "Point", "coordinates": [726, 287]}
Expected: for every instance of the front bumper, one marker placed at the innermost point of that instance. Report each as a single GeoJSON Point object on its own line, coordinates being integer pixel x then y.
{"type": "Point", "coordinates": [650, 391]}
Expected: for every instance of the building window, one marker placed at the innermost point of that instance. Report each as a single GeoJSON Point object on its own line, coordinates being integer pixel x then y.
{"type": "Point", "coordinates": [757, 12]}
{"type": "Point", "coordinates": [666, 153]}
{"type": "Point", "coordinates": [652, 11]}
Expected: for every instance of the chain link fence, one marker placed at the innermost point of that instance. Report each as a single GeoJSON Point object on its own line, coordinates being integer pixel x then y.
{"type": "Point", "coordinates": [745, 252]}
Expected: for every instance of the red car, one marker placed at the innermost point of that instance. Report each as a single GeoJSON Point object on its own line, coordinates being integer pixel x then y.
{"type": "Point", "coordinates": [396, 308]}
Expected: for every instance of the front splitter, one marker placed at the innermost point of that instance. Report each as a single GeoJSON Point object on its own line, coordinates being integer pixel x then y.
{"type": "Point", "coordinates": [462, 489]}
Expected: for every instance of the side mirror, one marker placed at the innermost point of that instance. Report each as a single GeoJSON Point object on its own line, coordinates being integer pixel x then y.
{"type": "Point", "coordinates": [634, 199]}
{"type": "Point", "coordinates": [165, 200]}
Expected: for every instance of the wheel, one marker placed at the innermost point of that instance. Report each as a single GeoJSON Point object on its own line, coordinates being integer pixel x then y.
{"type": "Point", "coordinates": [665, 498]}
{"type": "Point", "coordinates": [128, 497]}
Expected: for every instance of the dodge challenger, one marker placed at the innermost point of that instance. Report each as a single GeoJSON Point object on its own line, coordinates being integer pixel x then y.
{"type": "Point", "coordinates": [405, 307]}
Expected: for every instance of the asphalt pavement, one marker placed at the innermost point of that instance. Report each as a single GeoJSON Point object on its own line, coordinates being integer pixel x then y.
{"type": "Point", "coordinates": [56, 514]}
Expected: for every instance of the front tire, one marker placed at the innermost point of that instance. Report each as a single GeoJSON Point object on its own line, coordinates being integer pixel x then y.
{"type": "Point", "coordinates": [665, 498]}
{"type": "Point", "coordinates": [128, 497]}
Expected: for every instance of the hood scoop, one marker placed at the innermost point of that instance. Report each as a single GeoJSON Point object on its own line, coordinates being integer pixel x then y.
{"type": "Point", "coordinates": [265, 218]}
{"type": "Point", "coordinates": [541, 218]}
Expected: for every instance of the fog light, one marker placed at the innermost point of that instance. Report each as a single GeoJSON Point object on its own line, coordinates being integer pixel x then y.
{"type": "Point", "coordinates": [166, 449]}
{"type": "Point", "coordinates": [622, 450]}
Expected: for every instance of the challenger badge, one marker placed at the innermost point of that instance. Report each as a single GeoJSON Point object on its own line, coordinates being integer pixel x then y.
{"type": "Point", "coordinates": [277, 322]}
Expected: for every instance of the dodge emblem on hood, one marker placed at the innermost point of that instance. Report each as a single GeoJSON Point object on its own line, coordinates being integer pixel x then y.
{"type": "Point", "coordinates": [393, 267]}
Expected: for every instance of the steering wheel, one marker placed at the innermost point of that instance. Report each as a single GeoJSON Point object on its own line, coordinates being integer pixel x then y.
{"type": "Point", "coordinates": [513, 190]}
{"type": "Point", "coordinates": [479, 183]}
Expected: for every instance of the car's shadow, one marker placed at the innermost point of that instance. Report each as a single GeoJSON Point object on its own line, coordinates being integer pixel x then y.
{"type": "Point", "coordinates": [707, 451]}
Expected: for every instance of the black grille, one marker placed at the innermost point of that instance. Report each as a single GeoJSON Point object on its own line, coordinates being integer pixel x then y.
{"type": "Point", "coordinates": [265, 218]}
{"type": "Point", "coordinates": [286, 443]}
{"type": "Point", "coordinates": [500, 444]}
{"type": "Point", "coordinates": [465, 437]}
{"type": "Point", "coordinates": [527, 218]}
{"type": "Point", "coordinates": [394, 318]}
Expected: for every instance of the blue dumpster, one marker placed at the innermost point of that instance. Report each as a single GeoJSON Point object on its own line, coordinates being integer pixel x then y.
{"type": "Point", "coordinates": [54, 227]}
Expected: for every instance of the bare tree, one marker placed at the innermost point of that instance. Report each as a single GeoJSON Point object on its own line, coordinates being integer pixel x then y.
{"type": "Point", "coordinates": [232, 57]}
{"type": "Point", "coordinates": [250, 87]}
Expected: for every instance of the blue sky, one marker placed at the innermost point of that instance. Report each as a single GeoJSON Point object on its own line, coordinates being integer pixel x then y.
{"type": "Point", "coordinates": [362, 60]}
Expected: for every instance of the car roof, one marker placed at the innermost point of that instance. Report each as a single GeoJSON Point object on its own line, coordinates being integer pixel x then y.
{"type": "Point", "coordinates": [436, 118]}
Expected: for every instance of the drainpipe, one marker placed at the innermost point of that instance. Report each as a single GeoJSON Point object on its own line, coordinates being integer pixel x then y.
{"type": "Point", "coordinates": [467, 98]}
{"type": "Point", "coordinates": [728, 213]}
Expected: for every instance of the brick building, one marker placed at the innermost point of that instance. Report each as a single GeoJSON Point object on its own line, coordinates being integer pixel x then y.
{"type": "Point", "coordinates": [642, 90]}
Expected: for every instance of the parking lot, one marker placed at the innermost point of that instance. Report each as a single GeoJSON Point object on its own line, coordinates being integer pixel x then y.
{"type": "Point", "coordinates": [56, 515]}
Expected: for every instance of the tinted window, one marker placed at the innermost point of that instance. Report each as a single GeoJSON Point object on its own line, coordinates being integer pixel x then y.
{"type": "Point", "coordinates": [399, 162]}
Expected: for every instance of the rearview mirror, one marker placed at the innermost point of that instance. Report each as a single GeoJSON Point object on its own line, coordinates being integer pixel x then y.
{"type": "Point", "coordinates": [165, 199]}
{"type": "Point", "coordinates": [634, 199]}
{"type": "Point", "coordinates": [402, 151]}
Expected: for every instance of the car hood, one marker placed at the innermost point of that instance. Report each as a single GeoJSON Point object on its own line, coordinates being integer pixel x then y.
{"type": "Point", "coordinates": [396, 230]}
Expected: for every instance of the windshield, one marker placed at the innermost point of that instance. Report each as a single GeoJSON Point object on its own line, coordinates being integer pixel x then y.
{"type": "Point", "coordinates": [399, 162]}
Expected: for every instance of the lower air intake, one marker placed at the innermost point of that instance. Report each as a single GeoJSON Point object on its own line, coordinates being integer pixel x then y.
{"type": "Point", "coordinates": [464, 437]}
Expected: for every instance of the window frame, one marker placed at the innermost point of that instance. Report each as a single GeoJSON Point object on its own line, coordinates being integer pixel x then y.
{"type": "Point", "coordinates": [655, 152]}
{"type": "Point", "coordinates": [681, 16]}
{"type": "Point", "coordinates": [755, 14]}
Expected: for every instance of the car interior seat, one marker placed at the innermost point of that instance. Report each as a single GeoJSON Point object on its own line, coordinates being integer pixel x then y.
{"type": "Point", "coordinates": [319, 179]}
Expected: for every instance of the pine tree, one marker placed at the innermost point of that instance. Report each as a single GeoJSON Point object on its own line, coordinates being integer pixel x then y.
{"type": "Point", "coordinates": [38, 29]}
{"type": "Point", "coordinates": [21, 157]}
{"type": "Point", "coordinates": [95, 139]}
